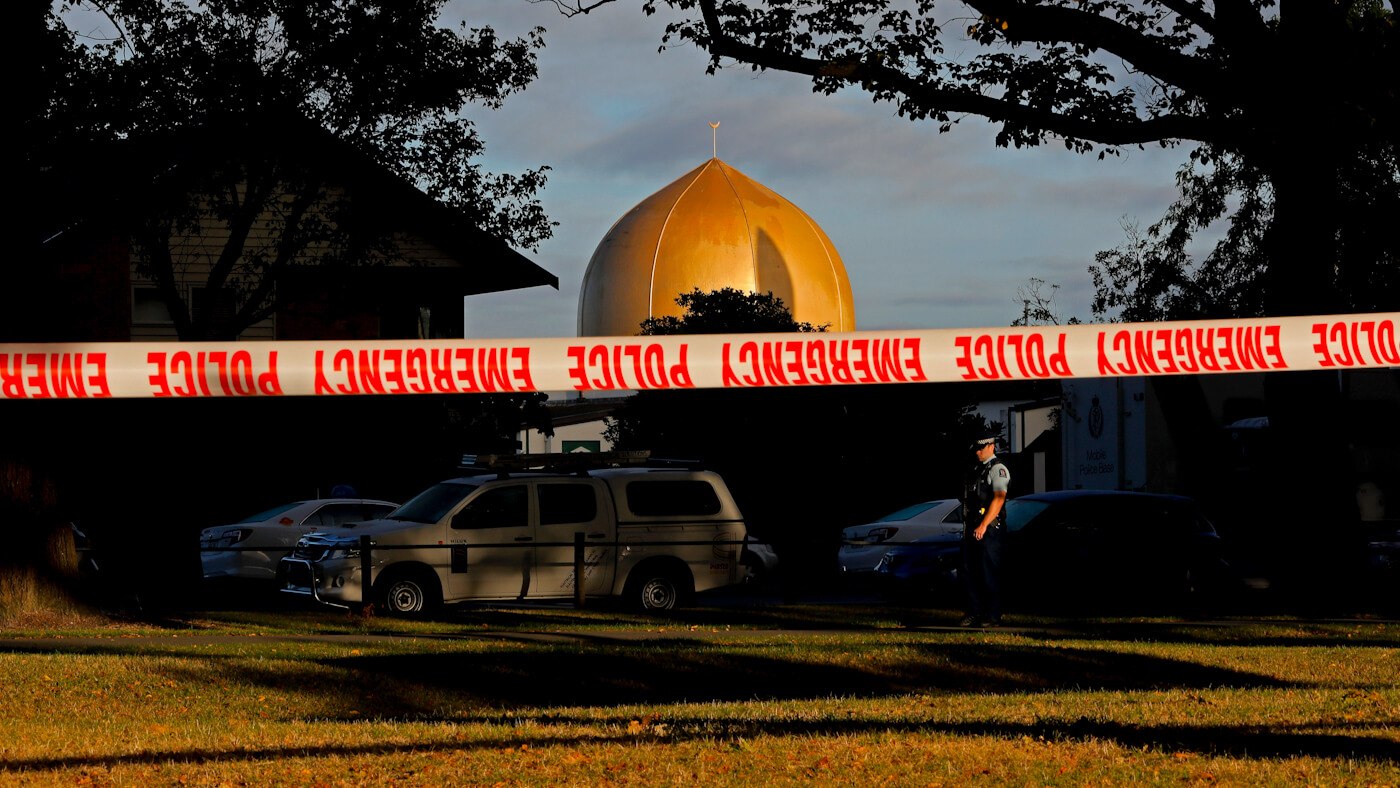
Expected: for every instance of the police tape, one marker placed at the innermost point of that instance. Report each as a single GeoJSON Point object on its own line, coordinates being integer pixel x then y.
{"type": "Point", "coordinates": [445, 366]}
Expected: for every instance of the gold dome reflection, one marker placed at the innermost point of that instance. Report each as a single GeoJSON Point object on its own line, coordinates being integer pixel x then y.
{"type": "Point", "coordinates": [712, 228]}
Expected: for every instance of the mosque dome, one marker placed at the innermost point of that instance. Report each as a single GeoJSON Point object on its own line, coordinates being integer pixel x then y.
{"type": "Point", "coordinates": [712, 228]}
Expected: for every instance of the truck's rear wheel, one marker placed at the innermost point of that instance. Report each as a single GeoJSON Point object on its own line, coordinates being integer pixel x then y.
{"type": "Point", "coordinates": [659, 587]}
{"type": "Point", "coordinates": [408, 594]}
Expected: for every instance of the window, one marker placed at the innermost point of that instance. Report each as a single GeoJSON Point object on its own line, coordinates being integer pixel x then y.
{"type": "Point", "coordinates": [567, 503]}
{"type": "Point", "coordinates": [668, 498]}
{"type": "Point", "coordinates": [1018, 513]}
{"type": "Point", "coordinates": [433, 504]}
{"type": "Point", "coordinates": [907, 512]}
{"type": "Point", "coordinates": [337, 514]}
{"type": "Point", "coordinates": [374, 511]}
{"type": "Point", "coordinates": [502, 507]}
{"type": "Point", "coordinates": [954, 516]}
{"type": "Point", "coordinates": [148, 307]}
{"type": "Point", "coordinates": [268, 514]}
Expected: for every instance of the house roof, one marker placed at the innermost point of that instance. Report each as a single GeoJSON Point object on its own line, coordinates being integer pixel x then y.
{"type": "Point", "coordinates": [100, 192]}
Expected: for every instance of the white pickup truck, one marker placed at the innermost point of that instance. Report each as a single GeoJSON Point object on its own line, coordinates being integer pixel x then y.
{"type": "Point", "coordinates": [653, 536]}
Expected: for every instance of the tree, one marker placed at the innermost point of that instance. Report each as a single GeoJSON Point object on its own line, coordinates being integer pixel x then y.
{"type": "Point", "coordinates": [727, 311]}
{"type": "Point", "coordinates": [224, 109]}
{"type": "Point", "coordinates": [1038, 306]}
{"type": "Point", "coordinates": [1302, 93]}
{"type": "Point", "coordinates": [1155, 275]}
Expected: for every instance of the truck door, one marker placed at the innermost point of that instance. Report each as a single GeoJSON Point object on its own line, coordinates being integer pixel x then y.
{"type": "Point", "coordinates": [566, 507]}
{"type": "Point", "coordinates": [492, 545]}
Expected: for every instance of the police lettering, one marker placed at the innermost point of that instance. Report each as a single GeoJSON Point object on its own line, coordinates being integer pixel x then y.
{"type": "Point", "coordinates": [988, 357]}
{"type": "Point", "coordinates": [422, 370]}
{"type": "Point", "coordinates": [822, 362]}
{"type": "Point", "coordinates": [1163, 351]}
{"type": "Point", "coordinates": [606, 367]}
{"type": "Point", "coordinates": [1358, 343]}
{"type": "Point", "coordinates": [185, 374]}
{"type": "Point", "coordinates": [53, 375]}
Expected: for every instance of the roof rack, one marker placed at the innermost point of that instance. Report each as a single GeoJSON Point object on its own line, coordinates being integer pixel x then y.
{"type": "Point", "coordinates": [580, 462]}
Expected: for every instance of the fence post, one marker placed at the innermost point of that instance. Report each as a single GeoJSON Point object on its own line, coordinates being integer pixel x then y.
{"type": "Point", "coordinates": [578, 570]}
{"type": "Point", "coordinates": [366, 566]}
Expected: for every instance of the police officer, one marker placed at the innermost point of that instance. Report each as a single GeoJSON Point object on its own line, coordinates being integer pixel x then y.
{"type": "Point", "coordinates": [984, 525]}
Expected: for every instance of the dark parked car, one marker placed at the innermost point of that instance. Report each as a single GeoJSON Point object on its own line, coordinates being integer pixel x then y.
{"type": "Point", "coordinates": [1083, 545]}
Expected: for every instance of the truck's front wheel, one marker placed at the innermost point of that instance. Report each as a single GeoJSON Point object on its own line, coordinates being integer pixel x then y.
{"type": "Point", "coordinates": [409, 594]}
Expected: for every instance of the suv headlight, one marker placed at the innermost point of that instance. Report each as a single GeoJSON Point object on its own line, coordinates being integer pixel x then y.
{"type": "Point", "coordinates": [350, 548]}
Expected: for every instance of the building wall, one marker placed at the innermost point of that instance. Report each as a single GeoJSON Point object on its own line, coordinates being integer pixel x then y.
{"type": "Point", "coordinates": [326, 312]}
{"type": "Point", "coordinates": [535, 442]}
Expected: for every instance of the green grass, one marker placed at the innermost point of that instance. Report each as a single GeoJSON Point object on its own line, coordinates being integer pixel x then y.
{"type": "Point", "coordinates": [1108, 701]}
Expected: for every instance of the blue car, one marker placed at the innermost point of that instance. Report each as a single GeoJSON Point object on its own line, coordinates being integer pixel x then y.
{"type": "Point", "coordinates": [1087, 544]}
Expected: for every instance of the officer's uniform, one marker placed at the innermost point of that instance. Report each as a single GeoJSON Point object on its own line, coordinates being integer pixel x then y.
{"type": "Point", "coordinates": [981, 559]}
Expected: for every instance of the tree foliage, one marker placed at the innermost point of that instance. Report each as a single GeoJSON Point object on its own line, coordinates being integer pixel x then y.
{"type": "Point", "coordinates": [230, 104]}
{"type": "Point", "coordinates": [1300, 96]}
{"type": "Point", "coordinates": [727, 311]}
{"type": "Point", "coordinates": [1157, 274]}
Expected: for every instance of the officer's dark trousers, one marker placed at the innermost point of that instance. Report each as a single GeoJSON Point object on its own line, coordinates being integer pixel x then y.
{"type": "Point", "coordinates": [981, 568]}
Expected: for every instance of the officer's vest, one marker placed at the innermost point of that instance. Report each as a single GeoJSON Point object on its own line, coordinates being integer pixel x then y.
{"type": "Point", "coordinates": [978, 495]}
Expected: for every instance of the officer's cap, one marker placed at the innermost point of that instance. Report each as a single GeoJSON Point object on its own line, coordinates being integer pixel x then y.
{"type": "Point", "coordinates": [983, 438]}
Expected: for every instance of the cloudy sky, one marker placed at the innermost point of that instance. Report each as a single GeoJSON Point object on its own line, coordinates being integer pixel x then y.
{"type": "Point", "coordinates": [936, 230]}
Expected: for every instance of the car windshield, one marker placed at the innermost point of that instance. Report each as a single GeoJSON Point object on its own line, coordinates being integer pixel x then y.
{"type": "Point", "coordinates": [267, 515]}
{"type": "Point", "coordinates": [433, 503]}
{"type": "Point", "coordinates": [1019, 512]}
{"type": "Point", "coordinates": [907, 512]}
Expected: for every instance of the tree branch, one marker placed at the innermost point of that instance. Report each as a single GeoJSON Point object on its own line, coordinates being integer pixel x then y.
{"type": "Point", "coordinates": [575, 8]}
{"type": "Point", "coordinates": [1192, 12]}
{"type": "Point", "coordinates": [1054, 24]}
{"type": "Point", "coordinates": [1108, 132]}
{"type": "Point", "coordinates": [289, 245]}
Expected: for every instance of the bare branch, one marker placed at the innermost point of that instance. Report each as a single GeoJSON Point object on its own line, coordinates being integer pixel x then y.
{"type": "Point", "coordinates": [572, 8]}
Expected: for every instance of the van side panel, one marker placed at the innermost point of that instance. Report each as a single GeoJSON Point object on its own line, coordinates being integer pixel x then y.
{"type": "Point", "coordinates": [703, 533]}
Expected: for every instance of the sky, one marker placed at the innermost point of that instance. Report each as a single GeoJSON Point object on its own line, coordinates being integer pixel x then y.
{"type": "Point", "coordinates": [935, 230]}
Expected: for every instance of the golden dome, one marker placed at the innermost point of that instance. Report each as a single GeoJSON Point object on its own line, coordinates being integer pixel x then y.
{"type": "Point", "coordinates": [712, 228]}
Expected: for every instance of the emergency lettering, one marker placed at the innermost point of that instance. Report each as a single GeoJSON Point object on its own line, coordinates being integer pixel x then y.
{"type": "Point", "coordinates": [422, 371]}
{"type": "Point", "coordinates": [53, 376]}
{"type": "Point", "coordinates": [821, 362]}
{"type": "Point", "coordinates": [1164, 351]}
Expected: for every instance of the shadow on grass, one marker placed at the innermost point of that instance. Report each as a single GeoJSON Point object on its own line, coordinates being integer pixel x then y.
{"type": "Point", "coordinates": [670, 672]}
{"type": "Point", "coordinates": [531, 676]}
{"type": "Point", "coordinates": [1245, 742]}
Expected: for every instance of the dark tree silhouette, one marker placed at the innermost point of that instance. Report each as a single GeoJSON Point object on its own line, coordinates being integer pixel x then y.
{"type": "Point", "coordinates": [1303, 94]}
{"type": "Point", "coordinates": [216, 117]}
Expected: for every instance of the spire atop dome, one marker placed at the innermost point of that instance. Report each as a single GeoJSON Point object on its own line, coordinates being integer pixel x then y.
{"type": "Point", "coordinates": [714, 139]}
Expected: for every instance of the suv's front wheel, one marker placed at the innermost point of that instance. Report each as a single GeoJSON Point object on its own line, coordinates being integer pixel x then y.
{"type": "Point", "coordinates": [409, 593]}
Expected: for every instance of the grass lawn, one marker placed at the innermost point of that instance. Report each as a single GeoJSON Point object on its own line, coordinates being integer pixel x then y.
{"type": "Point", "coordinates": [852, 699]}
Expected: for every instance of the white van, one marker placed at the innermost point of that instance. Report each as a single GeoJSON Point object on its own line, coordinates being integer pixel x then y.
{"type": "Point", "coordinates": [653, 536]}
